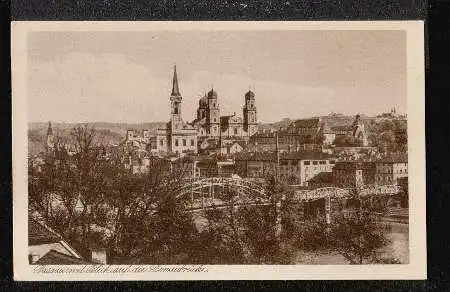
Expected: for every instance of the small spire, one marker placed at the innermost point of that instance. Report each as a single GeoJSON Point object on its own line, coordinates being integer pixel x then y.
{"type": "Point", "coordinates": [49, 130]}
{"type": "Point", "coordinates": [175, 89]}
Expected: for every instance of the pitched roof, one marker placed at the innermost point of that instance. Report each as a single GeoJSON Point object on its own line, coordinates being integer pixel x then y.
{"type": "Point", "coordinates": [322, 177]}
{"type": "Point", "coordinates": [394, 158]}
{"type": "Point", "coordinates": [38, 233]}
{"type": "Point", "coordinates": [354, 164]}
{"type": "Point", "coordinates": [267, 134]}
{"type": "Point", "coordinates": [341, 128]}
{"type": "Point", "coordinates": [199, 122]}
{"type": "Point", "coordinates": [306, 123]}
{"type": "Point", "coordinates": [271, 156]}
{"type": "Point", "coordinates": [54, 257]}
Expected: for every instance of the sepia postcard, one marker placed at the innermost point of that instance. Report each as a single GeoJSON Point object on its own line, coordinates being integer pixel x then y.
{"type": "Point", "coordinates": [218, 150]}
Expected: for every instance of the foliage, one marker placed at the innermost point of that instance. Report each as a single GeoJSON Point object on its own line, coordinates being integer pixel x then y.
{"type": "Point", "coordinates": [347, 141]}
{"type": "Point", "coordinates": [357, 237]}
{"type": "Point", "coordinates": [387, 135]}
{"type": "Point", "coordinates": [312, 235]}
{"type": "Point", "coordinates": [92, 200]}
{"type": "Point", "coordinates": [249, 234]}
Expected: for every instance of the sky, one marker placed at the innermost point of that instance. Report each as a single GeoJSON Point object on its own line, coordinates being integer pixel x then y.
{"type": "Point", "coordinates": [125, 77]}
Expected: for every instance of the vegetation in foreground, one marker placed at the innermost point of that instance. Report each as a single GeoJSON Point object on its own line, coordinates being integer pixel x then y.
{"type": "Point", "coordinates": [94, 202]}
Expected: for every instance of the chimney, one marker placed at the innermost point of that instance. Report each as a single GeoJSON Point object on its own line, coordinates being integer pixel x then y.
{"type": "Point", "coordinates": [99, 256]}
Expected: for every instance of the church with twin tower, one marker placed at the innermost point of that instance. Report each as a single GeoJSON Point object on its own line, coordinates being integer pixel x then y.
{"type": "Point", "coordinates": [178, 136]}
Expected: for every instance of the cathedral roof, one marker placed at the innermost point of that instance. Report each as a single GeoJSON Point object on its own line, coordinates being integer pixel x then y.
{"type": "Point", "coordinates": [199, 122]}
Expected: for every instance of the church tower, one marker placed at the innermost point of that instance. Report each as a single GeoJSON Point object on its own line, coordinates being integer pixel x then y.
{"type": "Point", "coordinates": [249, 114]}
{"type": "Point", "coordinates": [213, 114]}
{"type": "Point", "coordinates": [175, 100]}
{"type": "Point", "coordinates": [50, 143]}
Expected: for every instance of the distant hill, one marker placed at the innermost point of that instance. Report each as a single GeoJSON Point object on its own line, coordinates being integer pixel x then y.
{"type": "Point", "coordinates": [113, 133]}
{"type": "Point", "coordinates": [108, 133]}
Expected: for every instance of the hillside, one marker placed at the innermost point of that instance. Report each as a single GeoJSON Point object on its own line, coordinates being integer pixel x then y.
{"type": "Point", "coordinates": [107, 133]}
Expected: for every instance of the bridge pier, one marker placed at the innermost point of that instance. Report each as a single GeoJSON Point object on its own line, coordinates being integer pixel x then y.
{"type": "Point", "coordinates": [328, 209]}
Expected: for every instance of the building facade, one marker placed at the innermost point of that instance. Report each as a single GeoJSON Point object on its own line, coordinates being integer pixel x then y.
{"type": "Point", "coordinates": [353, 173]}
{"type": "Point", "coordinates": [210, 124]}
{"type": "Point", "coordinates": [300, 135]}
{"type": "Point", "coordinates": [391, 168]}
{"type": "Point", "coordinates": [295, 167]}
{"type": "Point", "coordinates": [175, 136]}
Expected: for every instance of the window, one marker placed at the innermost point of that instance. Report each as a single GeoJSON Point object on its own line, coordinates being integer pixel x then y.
{"type": "Point", "coordinates": [314, 162]}
{"type": "Point", "coordinates": [192, 142]}
{"type": "Point", "coordinates": [306, 162]}
{"type": "Point", "coordinates": [176, 142]}
{"type": "Point", "coordinates": [235, 131]}
{"type": "Point", "coordinates": [161, 142]}
{"type": "Point", "coordinates": [322, 162]}
{"type": "Point", "coordinates": [332, 161]}
{"type": "Point", "coordinates": [184, 142]}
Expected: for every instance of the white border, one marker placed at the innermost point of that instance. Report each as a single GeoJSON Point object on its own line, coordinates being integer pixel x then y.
{"type": "Point", "coordinates": [416, 269]}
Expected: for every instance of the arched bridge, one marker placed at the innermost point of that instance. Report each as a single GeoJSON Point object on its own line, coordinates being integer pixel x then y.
{"type": "Point", "coordinates": [222, 191]}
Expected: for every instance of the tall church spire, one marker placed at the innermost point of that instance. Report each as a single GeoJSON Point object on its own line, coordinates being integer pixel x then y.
{"type": "Point", "coordinates": [49, 129]}
{"type": "Point", "coordinates": [175, 89]}
{"type": "Point", "coordinates": [50, 141]}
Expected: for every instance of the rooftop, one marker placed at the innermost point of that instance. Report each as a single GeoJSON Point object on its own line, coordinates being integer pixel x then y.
{"type": "Point", "coordinates": [306, 123]}
{"type": "Point", "coordinates": [54, 257]}
{"type": "Point", "coordinates": [401, 157]}
{"type": "Point", "coordinates": [39, 233]}
{"type": "Point", "coordinates": [322, 177]}
{"type": "Point", "coordinates": [271, 156]}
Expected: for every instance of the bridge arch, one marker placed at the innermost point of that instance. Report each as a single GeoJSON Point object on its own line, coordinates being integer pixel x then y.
{"type": "Point", "coordinates": [222, 191]}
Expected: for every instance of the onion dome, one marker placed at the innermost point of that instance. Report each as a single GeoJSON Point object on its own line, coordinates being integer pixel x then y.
{"type": "Point", "coordinates": [203, 101]}
{"type": "Point", "coordinates": [212, 94]}
{"type": "Point", "coordinates": [249, 95]}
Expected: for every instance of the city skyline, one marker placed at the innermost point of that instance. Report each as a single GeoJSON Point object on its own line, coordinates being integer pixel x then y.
{"type": "Point", "coordinates": [130, 80]}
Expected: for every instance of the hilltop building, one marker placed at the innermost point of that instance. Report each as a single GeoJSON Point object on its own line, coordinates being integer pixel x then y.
{"type": "Point", "coordinates": [358, 131]}
{"type": "Point", "coordinates": [302, 134]}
